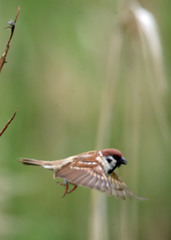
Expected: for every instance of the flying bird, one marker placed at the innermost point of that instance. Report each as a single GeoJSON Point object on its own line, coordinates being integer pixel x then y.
{"type": "Point", "coordinates": [93, 169]}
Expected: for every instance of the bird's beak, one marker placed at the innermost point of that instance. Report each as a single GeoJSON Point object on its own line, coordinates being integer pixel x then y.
{"type": "Point", "coordinates": [123, 160]}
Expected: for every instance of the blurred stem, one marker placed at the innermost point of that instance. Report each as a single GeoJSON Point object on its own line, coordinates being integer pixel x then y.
{"type": "Point", "coordinates": [132, 128]}
{"type": "Point", "coordinates": [110, 85]}
{"type": "Point", "coordinates": [98, 216]}
{"type": "Point", "coordinates": [155, 77]}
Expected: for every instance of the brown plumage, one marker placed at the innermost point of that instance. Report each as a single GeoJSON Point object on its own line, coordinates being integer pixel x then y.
{"type": "Point", "coordinates": [94, 169]}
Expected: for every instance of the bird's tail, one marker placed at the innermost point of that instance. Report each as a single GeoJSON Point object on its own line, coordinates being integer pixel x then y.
{"type": "Point", "coordinates": [44, 164]}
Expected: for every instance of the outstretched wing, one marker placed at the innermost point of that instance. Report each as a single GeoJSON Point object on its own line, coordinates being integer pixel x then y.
{"type": "Point", "coordinates": [119, 188]}
{"type": "Point", "coordinates": [86, 173]}
{"type": "Point", "coordinates": [91, 174]}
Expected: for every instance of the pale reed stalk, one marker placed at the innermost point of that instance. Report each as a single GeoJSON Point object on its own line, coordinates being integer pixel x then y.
{"type": "Point", "coordinates": [146, 74]}
{"type": "Point", "coordinates": [98, 216]}
{"type": "Point", "coordinates": [146, 77]}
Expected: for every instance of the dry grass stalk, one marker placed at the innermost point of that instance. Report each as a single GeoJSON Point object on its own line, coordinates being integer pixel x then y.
{"type": "Point", "coordinates": [138, 26]}
{"type": "Point", "coordinates": [98, 218]}
{"type": "Point", "coordinates": [146, 77]}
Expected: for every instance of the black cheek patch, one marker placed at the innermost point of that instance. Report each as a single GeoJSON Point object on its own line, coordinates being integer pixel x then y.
{"type": "Point", "coordinates": [109, 160]}
{"type": "Point", "coordinates": [111, 170]}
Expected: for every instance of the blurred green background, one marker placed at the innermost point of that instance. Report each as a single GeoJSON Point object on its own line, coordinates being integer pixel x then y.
{"type": "Point", "coordinates": [55, 77]}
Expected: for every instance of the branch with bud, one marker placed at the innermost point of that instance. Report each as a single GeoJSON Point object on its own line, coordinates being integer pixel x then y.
{"type": "Point", "coordinates": [12, 27]}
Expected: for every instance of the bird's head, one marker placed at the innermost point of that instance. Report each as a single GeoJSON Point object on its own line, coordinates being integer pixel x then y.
{"type": "Point", "coordinates": [114, 159]}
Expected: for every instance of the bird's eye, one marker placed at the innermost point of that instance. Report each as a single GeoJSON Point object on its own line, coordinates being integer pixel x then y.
{"type": "Point", "coordinates": [109, 159]}
{"type": "Point", "coordinates": [117, 157]}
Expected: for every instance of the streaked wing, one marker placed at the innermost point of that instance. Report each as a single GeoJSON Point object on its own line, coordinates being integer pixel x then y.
{"type": "Point", "coordinates": [120, 189]}
{"type": "Point", "coordinates": [88, 173]}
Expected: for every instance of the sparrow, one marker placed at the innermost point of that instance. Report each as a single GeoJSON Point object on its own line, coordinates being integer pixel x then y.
{"type": "Point", "coordinates": [93, 169]}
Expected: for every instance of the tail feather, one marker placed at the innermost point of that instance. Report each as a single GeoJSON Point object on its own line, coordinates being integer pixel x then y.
{"type": "Point", "coordinates": [30, 161]}
{"type": "Point", "coordinates": [52, 165]}
{"type": "Point", "coordinates": [45, 164]}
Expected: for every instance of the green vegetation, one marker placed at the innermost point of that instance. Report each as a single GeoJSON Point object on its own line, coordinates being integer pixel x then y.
{"type": "Point", "coordinates": [58, 64]}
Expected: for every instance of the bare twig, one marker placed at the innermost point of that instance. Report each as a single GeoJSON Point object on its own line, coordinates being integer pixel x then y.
{"type": "Point", "coordinates": [12, 26]}
{"type": "Point", "coordinates": [8, 123]}
{"type": "Point", "coordinates": [3, 60]}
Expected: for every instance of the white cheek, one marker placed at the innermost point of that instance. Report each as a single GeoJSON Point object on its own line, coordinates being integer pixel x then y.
{"type": "Point", "coordinates": [113, 163]}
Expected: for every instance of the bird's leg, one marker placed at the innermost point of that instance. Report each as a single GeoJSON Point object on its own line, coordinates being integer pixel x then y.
{"type": "Point", "coordinates": [65, 184]}
{"type": "Point", "coordinates": [66, 190]}
{"type": "Point", "coordinates": [73, 189]}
